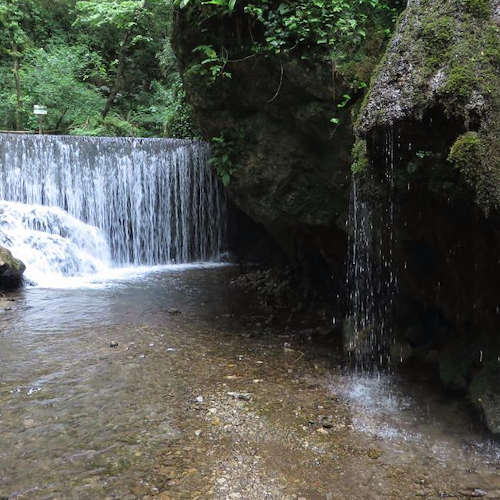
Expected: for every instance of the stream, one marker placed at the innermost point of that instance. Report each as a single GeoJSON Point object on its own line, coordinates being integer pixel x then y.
{"type": "Point", "coordinates": [171, 384]}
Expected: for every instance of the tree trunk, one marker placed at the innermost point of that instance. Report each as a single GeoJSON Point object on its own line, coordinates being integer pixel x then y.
{"type": "Point", "coordinates": [15, 70]}
{"type": "Point", "coordinates": [119, 73]}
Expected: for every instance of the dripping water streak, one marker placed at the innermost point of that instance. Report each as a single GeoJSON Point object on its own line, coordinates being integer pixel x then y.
{"type": "Point", "coordinates": [371, 280]}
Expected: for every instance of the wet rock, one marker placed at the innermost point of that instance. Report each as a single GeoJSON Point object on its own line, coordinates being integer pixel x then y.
{"type": "Point", "coordinates": [477, 492]}
{"type": "Point", "coordinates": [485, 394]}
{"type": "Point", "coordinates": [474, 493]}
{"type": "Point", "coordinates": [11, 269]}
{"type": "Point", "coordinates": [430, 90]}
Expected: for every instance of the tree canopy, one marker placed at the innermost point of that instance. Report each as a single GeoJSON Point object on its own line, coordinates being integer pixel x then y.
{"type": "Point", "coordinates": [103, 67]}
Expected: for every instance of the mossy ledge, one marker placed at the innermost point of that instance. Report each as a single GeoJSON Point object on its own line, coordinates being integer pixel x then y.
{"type": "Point", "coordinates": [446, 55]}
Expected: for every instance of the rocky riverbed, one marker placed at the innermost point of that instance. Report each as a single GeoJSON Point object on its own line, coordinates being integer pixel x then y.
{"type": "Point", "coordinates": [175, 386]}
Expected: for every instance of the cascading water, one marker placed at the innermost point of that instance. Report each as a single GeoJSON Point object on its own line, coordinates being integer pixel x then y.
{"type": "Point", "coordinates": [52, 243]}
{"type": "Point", "coordinates": [371, 280]}
{"type": "Point", "coordinates": [83, 204]}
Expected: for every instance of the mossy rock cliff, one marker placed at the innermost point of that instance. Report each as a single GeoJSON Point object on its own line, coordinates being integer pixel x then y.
{"type": "Point", "coordinates": [444, 61]}
{"type": "Point", "coordinates": [431, 125]}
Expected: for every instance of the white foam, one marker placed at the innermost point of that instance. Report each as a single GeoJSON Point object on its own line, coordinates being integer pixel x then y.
{"type": "Point", "coordinates": [53, 244]}
{"type": "Point", "coordinates": [117, 276]}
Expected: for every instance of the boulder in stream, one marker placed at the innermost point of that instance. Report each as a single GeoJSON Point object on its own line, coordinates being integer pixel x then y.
{"type": "Point", "coordinates": [11, 269]}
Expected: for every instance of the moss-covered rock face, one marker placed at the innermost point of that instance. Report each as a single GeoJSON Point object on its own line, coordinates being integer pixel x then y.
{"type": "Point", "coordinates": [431, 124]}
{"type": "Point", "coordinates": [11, 269]}
{"type": "Point", "coordinates": [287, 121]}
{"type": "Point", "coordinates": [445, 56]}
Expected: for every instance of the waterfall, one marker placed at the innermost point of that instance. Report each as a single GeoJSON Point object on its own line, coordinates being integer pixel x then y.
{"type": "Point", "coordinates": [371, 277]}
{"type": "Point", "coordinates": [52, 243]}
{"type": "Point", "coordinates": [150, 201]}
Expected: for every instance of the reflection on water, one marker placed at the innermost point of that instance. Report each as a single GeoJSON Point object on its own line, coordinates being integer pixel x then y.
{"type": "Point", "coordinates": [80, 419]}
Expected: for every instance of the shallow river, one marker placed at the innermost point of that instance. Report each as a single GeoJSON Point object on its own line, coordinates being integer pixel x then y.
{"type": "Point", "coordinates": [173, 385]}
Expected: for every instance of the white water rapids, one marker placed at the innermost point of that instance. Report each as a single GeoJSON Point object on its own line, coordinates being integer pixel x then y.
{"type": "Point", "coordinates": [76, 207]}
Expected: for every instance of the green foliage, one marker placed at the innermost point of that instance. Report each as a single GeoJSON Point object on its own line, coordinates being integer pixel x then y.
{"type": "Point", "coordinates": [79, 56]}
{"type": "Point", "coordinates": [46, 80]}
{"type": "Point", "coordinates": [113, 125]}
{"type": "Point", "coordinates": [478, 8]}
{"type": "Point", "coordinates": [333, 23]}
{"type": "Point", "coordinates": [421, 154]}
{"type": "Point", "coordinates": [339, 25]}
{"type": "Point", "coordinates": [345, 100]}
{"type": "Point", "coordinates": [167, 107]}
{"type": "Point", "coordinates": [213, 65]}
{"type": "Point", "coordinates": [335, 28]}
{"type": "Point", "coordinates": [11, 20]}
{"type": "Point", "coordinates": [360, 157]}
{"type": "Point", "coordinates": [223, 160]}
{"type": "Point", "coordinates": [227, 5]}
{"type": "Point", "coordinates": [119, 14]}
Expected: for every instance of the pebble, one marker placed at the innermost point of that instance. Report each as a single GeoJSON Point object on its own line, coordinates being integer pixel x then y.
{"type": "Point", "coordinates": [164, 496]}
{"type": "Point", "coordinates": [243, 396]}
{"type": "Point", "coordinates": [139, 489]}
{"type": "Point", "coordinates": [374, 454]}
{"type": "Point", "coordinates": [29, 423]}
{"type": "Point", "coordinates": [477, 493]}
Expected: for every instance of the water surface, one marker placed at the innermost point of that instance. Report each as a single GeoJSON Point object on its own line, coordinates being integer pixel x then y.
{"type": "Point", "coordinates": [201, 398]}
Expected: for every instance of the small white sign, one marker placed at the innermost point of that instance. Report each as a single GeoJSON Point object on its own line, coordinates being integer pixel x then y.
{"type": "Point", "coordinates": [40, 110]}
